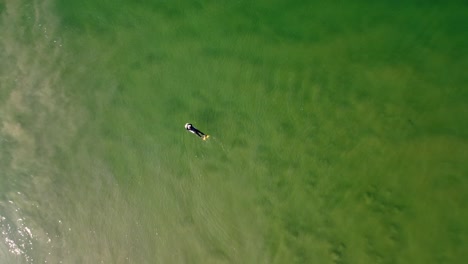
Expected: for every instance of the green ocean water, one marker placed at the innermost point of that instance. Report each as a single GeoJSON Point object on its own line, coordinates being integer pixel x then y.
{"type": "Point", "coordinates": [338, 131]}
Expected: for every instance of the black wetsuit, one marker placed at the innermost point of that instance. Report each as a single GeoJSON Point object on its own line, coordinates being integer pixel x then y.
{"type": "Point", "coordinates": [194, 130]}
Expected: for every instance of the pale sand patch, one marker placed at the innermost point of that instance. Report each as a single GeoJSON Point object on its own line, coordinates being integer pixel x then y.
{"type": "Point", "coordinates": [59, 221]}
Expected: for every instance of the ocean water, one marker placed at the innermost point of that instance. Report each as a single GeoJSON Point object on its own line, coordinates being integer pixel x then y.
{"type": "Point", "coordinates": [338, 131]}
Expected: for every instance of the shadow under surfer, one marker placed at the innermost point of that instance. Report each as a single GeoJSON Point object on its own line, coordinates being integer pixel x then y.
{"type": "Point", "coordinates": [195, 131]}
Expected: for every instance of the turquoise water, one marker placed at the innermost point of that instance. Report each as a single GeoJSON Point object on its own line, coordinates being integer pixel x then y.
{"type": "Point", "coordinates": [338, 132]}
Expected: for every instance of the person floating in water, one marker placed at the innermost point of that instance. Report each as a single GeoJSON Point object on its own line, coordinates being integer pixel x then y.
{"type": "Point", "coordinates": [195, 131]}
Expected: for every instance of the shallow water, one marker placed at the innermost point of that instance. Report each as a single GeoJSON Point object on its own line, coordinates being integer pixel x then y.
{"type": "Point", "coordinates": [338, 132]}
